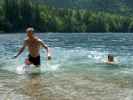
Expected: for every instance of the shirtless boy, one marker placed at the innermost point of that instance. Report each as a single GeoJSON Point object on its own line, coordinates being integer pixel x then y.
{"type": "Point", "coordinates": [33, 44]}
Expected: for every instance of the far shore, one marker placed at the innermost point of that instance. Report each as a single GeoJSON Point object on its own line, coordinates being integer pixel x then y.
{"type": "Point", "coordinates": [2, 32]}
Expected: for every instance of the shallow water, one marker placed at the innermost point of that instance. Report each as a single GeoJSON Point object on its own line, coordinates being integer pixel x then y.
{"type": "Point", "coordinates": [76, 72]}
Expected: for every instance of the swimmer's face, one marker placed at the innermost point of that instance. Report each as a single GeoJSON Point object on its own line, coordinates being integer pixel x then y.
{"type": "Point", "coordinates": [29, 33]}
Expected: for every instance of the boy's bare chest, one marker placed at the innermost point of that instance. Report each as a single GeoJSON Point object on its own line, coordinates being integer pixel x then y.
{"type": "Point", "coordinates": [33, 44]}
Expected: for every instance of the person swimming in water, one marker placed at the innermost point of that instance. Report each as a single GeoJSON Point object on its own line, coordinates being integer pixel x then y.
{"type": "Point", "coordinates": [33, 44]}
{"type": "Point", "coordinates": [110, 59]}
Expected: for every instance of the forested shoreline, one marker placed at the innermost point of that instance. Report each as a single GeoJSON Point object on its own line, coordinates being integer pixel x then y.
{"type": "Point", "coordinates": [16, 15]}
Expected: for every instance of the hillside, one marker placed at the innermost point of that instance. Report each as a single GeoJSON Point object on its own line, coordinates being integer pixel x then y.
{"type": "Point", "coordinates": [123, 7]}
{"type": "Point", "coordinates": [99, 16]}
{"type": "Point", "coordinates": [117, 6]}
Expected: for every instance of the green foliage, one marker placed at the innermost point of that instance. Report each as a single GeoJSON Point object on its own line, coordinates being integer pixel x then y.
{"type": "Point", "coordinates": [17, 15]}
{"type": "Point", "coordinates": [1, 19]}
{"type": "Point", "coordinates": [20, 14]}
{"type": "Point", "coordinates": [123, 7]}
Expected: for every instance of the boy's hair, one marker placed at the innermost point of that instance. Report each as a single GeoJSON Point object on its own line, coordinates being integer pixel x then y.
{"type": "Point", "coordinates": [30, 29]}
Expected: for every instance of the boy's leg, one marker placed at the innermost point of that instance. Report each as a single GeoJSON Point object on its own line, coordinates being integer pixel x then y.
{"type": "Point", "coordinates": [27, 62]}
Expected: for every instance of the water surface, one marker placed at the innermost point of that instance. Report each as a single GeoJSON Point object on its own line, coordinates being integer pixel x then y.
{"type": "Point", "coordinates": [76, 72]}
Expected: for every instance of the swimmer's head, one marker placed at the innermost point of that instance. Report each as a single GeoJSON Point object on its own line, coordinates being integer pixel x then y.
{"type": "Point", "coordinates": [110, 58]}
{"type": "Point", "coordinates": [30, 31]}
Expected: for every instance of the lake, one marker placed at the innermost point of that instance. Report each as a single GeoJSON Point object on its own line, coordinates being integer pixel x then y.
{"type": "Point", "coordinates": [76, 72]}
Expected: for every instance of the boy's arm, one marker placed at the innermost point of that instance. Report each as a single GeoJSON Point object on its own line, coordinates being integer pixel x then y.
{"type": "Point", "coordinates": [47, 49]}
{"type": "Point", "coordinates": [21, 49]}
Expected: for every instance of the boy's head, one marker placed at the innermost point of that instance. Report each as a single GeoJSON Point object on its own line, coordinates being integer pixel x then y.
{"type": "Point", "coordinates": [110, 58]}
{"type": "Point", "coordinates": [30, 31]}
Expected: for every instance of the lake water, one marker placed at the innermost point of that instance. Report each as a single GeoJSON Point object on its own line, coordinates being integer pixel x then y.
{"type": "Point", "coordinates": [76, 72]}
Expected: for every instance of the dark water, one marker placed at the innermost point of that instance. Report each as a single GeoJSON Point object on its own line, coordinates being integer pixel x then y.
{"type": "Point", "coordinates": [76, 72]}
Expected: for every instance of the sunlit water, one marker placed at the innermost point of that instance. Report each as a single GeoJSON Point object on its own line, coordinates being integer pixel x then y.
{"type": "Point", "coordinates": [76, 72]}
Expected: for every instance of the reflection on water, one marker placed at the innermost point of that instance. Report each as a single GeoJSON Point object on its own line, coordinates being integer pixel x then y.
{"type": "Point", "coordinates": [33, 86]}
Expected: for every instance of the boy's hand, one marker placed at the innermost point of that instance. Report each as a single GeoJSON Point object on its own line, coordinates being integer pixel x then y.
{"type": "Point", "coordinates": [14, 57]}
{"type": "Point", "coordinates": [49, 57]}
